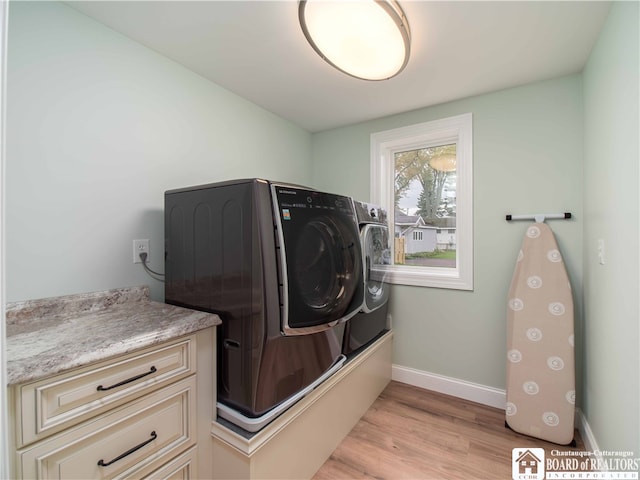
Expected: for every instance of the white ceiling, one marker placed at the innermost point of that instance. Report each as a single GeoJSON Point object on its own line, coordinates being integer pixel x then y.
{"type": "Point", "coordinates": [257, 50]}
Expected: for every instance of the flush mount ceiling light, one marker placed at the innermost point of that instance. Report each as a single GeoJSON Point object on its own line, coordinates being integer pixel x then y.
{"type": "Point", "coordinates": [367, 39]}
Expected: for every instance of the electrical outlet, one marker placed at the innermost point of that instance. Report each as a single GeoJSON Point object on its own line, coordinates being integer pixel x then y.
{"type": "Point", "coordinates": [140, 246]}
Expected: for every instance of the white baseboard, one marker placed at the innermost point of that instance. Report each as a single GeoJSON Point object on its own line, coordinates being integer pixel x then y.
{"type": "Point", "coordinates": [586, 433]}
{"type": "Point", "coordinates": [494, 397]}
{"type": "Point", "coordinates": [474, 392]}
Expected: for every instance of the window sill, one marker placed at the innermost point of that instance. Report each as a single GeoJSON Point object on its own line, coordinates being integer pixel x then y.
{"type": "Point", "coordinates": [435, 277]}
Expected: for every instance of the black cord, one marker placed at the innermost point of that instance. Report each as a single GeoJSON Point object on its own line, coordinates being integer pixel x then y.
{"type": "Point", "coordinates": [143, 257]}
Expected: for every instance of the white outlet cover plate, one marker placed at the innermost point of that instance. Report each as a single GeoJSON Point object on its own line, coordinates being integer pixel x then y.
{"type": "Point", "coordinates": [140, 246]}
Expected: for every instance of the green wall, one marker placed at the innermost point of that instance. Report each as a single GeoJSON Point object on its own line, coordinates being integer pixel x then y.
{"type": "Point", "coordinates": [568, 144]}
{"type": "Point", "coordinates": [527, 159]}
{"type": "Point", "coordinates": [611, 209]}
{"type": "Point", "coordinates": [98, 127]}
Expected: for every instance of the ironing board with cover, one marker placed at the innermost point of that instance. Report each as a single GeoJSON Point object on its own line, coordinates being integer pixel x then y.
{"type": "Point", "coordinates": [540, 342]}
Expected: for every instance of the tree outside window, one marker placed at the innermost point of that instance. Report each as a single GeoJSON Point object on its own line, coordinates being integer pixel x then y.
{"type": "Point", "coordinates": [425, 204]}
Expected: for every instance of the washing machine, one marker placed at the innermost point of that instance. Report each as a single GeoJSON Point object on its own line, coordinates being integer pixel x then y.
{"type": "Point", "coordinates": [371, 322]}
{"type": "Point", "coordinates": [282, 266]}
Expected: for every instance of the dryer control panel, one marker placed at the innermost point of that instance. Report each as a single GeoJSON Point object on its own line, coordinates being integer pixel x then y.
{"type": "Point", "coordinates": [370, 213]}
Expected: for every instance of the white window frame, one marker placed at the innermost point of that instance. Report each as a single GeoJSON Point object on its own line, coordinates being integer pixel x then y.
{"type": "Point", "coordinates": [384, 146]}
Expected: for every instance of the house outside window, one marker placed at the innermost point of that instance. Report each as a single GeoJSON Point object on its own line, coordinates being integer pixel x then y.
{"type": "Point", "coordinates": [422, 176]}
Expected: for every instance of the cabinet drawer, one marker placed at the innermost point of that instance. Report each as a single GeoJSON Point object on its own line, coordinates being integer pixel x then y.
{"type": "Point", "coordinates": [129, 442]}
{"type": "Point", "coordinates": [183, 467]}
{"type": "Point", "coordinates": [58, 402]}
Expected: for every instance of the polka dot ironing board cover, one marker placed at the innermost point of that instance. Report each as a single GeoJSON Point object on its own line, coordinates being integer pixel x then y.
{"type": "Point", "coordinates": [540, 342]}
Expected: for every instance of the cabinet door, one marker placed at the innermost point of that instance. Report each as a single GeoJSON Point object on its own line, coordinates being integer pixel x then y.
{"type": "Point", "coordinates": [183, 467]}
{"type": "Point", "coordinates": [129, 442]}
{"type": "Point", "coordinates": [58, 402]}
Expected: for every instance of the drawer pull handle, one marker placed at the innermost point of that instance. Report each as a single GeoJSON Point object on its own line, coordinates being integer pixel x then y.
{"type": "Point", "coordinates": [102, 463]}
{"type": "Point", "coordinates": [128, 380]}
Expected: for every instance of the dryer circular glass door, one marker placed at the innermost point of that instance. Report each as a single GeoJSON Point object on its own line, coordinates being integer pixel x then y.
{"type": "Point", "coordinates": [377, 256]}
{"type": "Point", "coordinates": [320, 257]}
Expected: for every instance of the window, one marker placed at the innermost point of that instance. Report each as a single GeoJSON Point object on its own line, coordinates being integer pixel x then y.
{"type": "Point", "coordinates": [423, 176]}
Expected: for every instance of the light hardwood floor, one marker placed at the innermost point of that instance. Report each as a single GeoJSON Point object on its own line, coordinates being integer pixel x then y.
{"type": "Point", "coordinates": [411, 433]}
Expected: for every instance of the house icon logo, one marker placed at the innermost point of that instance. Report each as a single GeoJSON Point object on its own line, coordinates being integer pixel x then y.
{"type": "Point", "coordinates": [527, 463]}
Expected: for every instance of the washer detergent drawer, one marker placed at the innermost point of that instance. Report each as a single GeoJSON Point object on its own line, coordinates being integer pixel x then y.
{"type": "Point", "coordinates": [129, 442]}
{"type": "Point", "coordinates": [65, 400]}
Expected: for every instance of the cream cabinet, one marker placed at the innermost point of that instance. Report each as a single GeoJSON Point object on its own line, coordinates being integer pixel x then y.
{"type": "Point", "coordinates": [135, 416]}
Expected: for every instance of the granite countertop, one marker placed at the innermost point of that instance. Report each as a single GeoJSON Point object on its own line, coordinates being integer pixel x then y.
{"type": "Point", "coordinates": [52, 335]}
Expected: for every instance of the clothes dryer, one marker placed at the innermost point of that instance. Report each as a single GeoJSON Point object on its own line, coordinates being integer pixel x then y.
{"type": "Point", "coordinates": [371, 322]}
{"type": "Point", "coordinates": [282, 266]}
